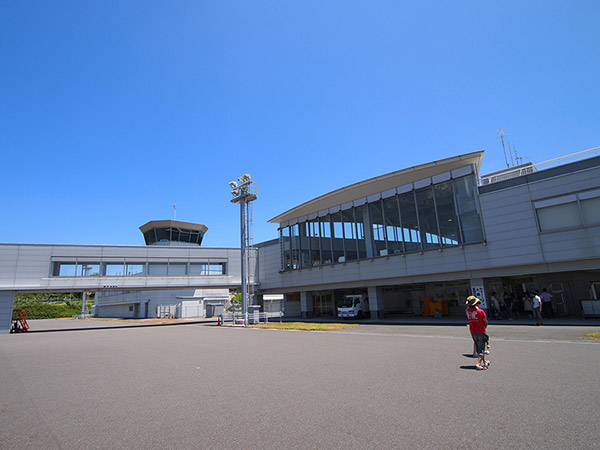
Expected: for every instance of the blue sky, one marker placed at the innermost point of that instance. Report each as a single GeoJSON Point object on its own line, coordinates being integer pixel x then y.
{"type": "Point", "coordinates": [113, 111]}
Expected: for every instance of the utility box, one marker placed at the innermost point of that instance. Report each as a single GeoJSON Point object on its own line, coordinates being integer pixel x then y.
{"type": "Point", "coordinates": [214, 309]}
{"type": "Point", "coordinates": [253, 318]}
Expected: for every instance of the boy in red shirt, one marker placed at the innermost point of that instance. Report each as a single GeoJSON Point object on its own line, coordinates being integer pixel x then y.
{"type": "Point", "coordinates": [477, 326]}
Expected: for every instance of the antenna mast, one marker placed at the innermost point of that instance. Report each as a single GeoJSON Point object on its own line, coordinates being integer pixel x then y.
{"type": "Point", "coordinates": [512, 162]}
{"type": "Point", "coordinates": [501, 134]}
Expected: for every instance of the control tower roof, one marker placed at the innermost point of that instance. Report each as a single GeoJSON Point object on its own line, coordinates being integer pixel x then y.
{"type": "Point", "coordinates": [173, 232]}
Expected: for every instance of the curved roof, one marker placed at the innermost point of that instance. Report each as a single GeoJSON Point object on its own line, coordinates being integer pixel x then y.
{"type": "Point", "coordinates": [379, 184]}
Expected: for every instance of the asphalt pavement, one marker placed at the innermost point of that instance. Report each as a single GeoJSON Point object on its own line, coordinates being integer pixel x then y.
{"type": "Point", "coordinates": [197, 385]}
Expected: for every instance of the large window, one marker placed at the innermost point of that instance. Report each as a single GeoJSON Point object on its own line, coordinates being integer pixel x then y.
{"type": "Point", "coordinates": [377, 228]}
{"type": "Point", "coordinates": [177, 269]}
{"type": "Point", "coordinates": [64, 269]}
{"type": "Point", "coordinates": [315, 246]}
{"type": "Point", "coordinates": [158, 269]}
{"type": "Point", "coordinates": [468, 209]}
{"type": "Point", "coordinates": [304, 244]}
{"type": "Point", "coordinates": [361, 217]}
{"type": "Point", "coordinates": [295, 240]}
{"type": "Point", "coordinates": [410, 223]}
{"type": "Point", "coordinates": [338, 237]}
{"type": "Point", "coordinates": [448, 220]}
{"type": "Point", "coordinates": [114, 269]}
{"type": "Point", "coordinates": [135, 269]}
{"type": "Point", "coordinates": [439, 215]}
{"type": "Point", "coordinates": [350, 247]}
{"type": "Point", "coordinates": [569, 211]}
{"type": "Point", "coordinates": [393, 227]}
{"type": "Point", "coordinates": [88, 269]}
{"type": "Point", "coordinates": [208, 269]}
{"type": "Point", "coordinates": [428, 224]}
{"type": "Point", "coordinates": [325, 231]}
{"type": "Point", "coordinates": [286, 248]}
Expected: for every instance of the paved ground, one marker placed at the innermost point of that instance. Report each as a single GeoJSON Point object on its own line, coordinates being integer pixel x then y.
{"type": "Point", "coordinates": [376, 386]}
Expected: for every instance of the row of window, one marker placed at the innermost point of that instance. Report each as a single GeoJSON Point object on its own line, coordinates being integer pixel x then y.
{"type": "Point", "coordinates": [95, 269]}
{"type": "Point", "coordinates": [444, 214]}
{"type": "Point", "coordinates": [581, 209]}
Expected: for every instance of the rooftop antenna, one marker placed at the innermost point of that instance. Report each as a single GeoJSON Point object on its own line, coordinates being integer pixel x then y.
{"type": "Point", "coordinates": [501, 134]}
{"type": "Point", "coordinates": [519, 159]}
{"type": "Point", "coordinates": [512, 163]}
{"type": "Point", "coordinates": [174, 211]}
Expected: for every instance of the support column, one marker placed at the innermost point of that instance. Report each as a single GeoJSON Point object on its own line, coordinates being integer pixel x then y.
{"type": "Point", "coordinates": [84, 298]}
{"type": "Point", "coordinates": [376, 302]}
{"type": "Point", "coordinates": [7, 301]}
{"type": "Point", "coordinates": [306, 305]}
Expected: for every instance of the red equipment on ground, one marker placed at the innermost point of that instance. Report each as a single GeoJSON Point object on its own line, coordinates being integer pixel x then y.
{"type": "Point", "coordinates": [20, 324]}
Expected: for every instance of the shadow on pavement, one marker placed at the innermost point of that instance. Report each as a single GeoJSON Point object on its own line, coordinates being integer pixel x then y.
{"type": "Point", "coordinates": [116, 327]}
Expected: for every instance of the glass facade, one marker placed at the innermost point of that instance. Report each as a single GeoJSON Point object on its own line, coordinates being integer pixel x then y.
{"type": "Point", "coordinates": [440, 215]}
{"type": "Point", "coordinates": [173, 234]}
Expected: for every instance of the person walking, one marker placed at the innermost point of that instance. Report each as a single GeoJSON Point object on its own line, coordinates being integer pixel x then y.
{"type": "Point", "coordinates": [547, 309]}
{"type": "Point", "coordinates": [536, 303]}
{"type": "Point", "coordinates": [477, 326]}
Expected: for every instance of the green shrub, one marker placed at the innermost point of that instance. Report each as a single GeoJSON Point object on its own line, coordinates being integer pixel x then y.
{"type": "Point", "coordinates": [46, 310]}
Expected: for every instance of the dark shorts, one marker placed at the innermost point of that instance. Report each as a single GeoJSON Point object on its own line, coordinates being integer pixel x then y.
{"type": "Point", "coordinates": [479, 340]}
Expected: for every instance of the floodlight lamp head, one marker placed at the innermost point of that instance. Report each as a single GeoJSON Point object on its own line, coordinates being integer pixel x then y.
{"type": "Point", "coordinates": [244, 178]}
{"type": "Point", "coordinates": [235, 192]}
{"type": "Point", "coordinates": [233, 184]}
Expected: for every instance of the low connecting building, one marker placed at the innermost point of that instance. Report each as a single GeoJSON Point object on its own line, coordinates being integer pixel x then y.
{"type": "Point", "coordinates": [421, 236]}
{"type": "Point", "coordinates": [172, 275]}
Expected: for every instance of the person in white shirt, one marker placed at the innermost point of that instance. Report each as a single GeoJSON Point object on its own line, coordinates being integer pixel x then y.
{"type": "Point", "coordinates": [536, 303]}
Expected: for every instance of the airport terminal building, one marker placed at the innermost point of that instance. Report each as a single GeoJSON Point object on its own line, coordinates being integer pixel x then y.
{"type": "Point", "coordinates": [415, 241]}
{"type": "Point", "coordinates": [436, 233]}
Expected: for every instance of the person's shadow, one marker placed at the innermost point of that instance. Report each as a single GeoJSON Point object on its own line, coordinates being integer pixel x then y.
{"type": "Point", "coordinates": [469, 355]}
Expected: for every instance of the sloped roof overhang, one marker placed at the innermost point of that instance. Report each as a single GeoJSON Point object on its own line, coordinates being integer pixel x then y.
{"type": "Point", "coordinates": [173, 224]}
{"type": "Point", "coordinates": [380, 183]}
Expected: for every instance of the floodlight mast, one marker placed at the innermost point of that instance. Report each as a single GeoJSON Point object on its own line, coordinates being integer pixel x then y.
{"type": "Point", "coordinates": [243, 194]}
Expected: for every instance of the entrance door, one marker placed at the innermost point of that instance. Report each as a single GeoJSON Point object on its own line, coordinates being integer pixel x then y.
{"type": "Point", "coordinates": [323, 305]}
{"type": "Point", "coordinates": [558, 299]}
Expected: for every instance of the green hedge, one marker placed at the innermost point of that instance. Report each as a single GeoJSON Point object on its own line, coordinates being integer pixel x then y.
{"type": "Point", "coordinates": [54, 310]}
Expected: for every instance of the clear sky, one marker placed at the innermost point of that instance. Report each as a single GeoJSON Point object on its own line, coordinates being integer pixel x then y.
{"type": "Point", "coordinates": [112, 111]}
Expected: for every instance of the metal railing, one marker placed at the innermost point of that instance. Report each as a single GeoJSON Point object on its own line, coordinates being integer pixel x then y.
{"type": "Point", "coordinates": [527, 168]}
{"type": "Point", "coordinates": [254, 318]}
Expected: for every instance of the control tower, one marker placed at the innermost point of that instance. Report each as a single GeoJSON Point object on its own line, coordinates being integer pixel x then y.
{"type": "Point", "coordinates": [173, 232]}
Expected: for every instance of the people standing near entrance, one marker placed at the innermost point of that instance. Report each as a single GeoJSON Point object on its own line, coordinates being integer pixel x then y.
{"type": "Point", "coordinates": [536, 304]}
{"type": "Point", "coordinates": [547, 309]}
{"type": "Point", "coordinates": [516, 306]}
{"type": "Point", "coordinates": [477, 326]}
{"type": "Point", "coordinates": [508, 301]}
{"type": "Point", "coordinates": [495, 306]}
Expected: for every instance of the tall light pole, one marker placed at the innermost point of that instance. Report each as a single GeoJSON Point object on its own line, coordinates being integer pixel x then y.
{"type": "Point", "coordinates": [244, 192]}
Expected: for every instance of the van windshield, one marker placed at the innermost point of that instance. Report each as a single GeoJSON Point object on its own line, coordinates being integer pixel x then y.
{"type": "Point", "coordinates": [345, 303]}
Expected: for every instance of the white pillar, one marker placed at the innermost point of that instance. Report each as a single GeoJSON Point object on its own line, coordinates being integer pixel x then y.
{"type": "Point", "coordinates": [84, 298]}
{"type": "Point", "coordinates": [306, 305]}
{"type": "Point", "coordinates": [376, 302]}
{"type": "Point", "coordinates": [7, 301]}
